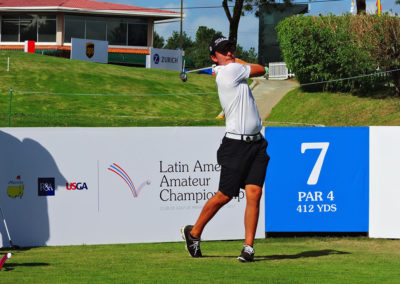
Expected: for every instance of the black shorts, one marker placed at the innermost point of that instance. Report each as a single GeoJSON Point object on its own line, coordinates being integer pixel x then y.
{"type": "Point", "coordinates": [241, 163]}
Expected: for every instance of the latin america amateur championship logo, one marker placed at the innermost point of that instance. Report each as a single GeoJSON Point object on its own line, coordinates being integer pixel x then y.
{"type": "Point", "coordinates": [122, 174]}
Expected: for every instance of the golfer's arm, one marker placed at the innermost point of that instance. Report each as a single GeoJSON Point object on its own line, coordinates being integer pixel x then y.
{"type": "Point", "coordinates": [256, 70]}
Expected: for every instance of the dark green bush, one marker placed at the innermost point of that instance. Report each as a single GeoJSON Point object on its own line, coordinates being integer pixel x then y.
{"type": "Point", "coordinates": [335, 47]}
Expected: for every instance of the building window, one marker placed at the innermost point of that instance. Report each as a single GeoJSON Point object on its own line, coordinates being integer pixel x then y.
{"type": "Point", "coordinates": [137, 34]}
{"type": "Point", "coordinates": [74, 27]}
{"type": "Point", "coordinates": [9, 28]}
{"type": "Point", "coordinates": [27, 28]}
{"type": "Point", "coordinates": [117, 31]}
{"type": "Point", "coordinates": [19, 28]}
{"type": "Point", "coordinates": [47, 28]}
{"type": "Point", "coordinates": [96, 29]}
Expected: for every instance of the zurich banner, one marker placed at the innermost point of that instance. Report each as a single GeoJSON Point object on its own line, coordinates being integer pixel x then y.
{"type": "Point", "coordinates": [168, 59]}
{"type": "Point", "coordinates": [317, 179]}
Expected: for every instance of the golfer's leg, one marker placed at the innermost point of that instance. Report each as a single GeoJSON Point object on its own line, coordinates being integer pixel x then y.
{"type": "Point", "coordinates": [253, 196]}
{"type": "Point", "coordinates": [210, 208]}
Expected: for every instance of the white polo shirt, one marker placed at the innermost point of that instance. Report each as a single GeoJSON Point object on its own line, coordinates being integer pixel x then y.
{"type": "Point", "coordinates": [236, 99]}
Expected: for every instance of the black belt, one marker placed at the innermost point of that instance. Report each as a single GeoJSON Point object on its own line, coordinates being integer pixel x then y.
{"type": "Point", "coordinates": [244, 137]}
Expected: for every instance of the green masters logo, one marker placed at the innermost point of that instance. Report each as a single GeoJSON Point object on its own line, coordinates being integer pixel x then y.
{"type": "Point", "coordinates": [15, 188]}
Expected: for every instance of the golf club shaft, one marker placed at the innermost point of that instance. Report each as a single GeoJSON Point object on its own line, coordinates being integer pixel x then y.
{"type": "Point", "coordinates": [5, 225]}
{"type": "Point", "coordinates": [198, 69]}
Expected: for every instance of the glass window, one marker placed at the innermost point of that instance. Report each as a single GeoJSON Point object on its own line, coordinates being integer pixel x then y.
{"type": "Point", "coordinates": [137, 21]}
{"type": "Point", "coordinates": [47, 28]}
{"type": "Point", "coordinates": [9, 28]}
{"type": "Point", "coordinates": [116, 33]}
{"type": "Point", "coordinates": [74, 27]}
{"type": "Point", "coordinates": [28, 28]}
{"type": "Point", "coordinates": [95, 30]}
{"type": "Point", "coordinates": [137, 35]}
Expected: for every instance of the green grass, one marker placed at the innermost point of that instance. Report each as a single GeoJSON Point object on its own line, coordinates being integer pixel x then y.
{"type": "Point", "coordinates": [129, 96]}
{"type": "Point", "coordinates": [336, 109]}
{"type": "Point", "coordinates": [278, 260]}
{"type": "Point", "coordinates": [149, 94]}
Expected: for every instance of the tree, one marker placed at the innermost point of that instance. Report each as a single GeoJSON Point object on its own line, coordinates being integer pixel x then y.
{"type": "Point", "coordinates": [240, 7]}
{"type": "Point", "coordinates": [197, 54]}
{"type": "Point", "coordinates": [247, 55]}
{"type": "Point", "coordinates": [158, 41]}
{"type": "Point", "coordinates": [361, 6]}
{"type": "Point", "coordinates": [173, 41]}
{"type": "Point", "coordinates": [200, 53]}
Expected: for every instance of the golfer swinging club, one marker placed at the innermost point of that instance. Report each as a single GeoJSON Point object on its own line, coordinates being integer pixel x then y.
{"type": "Point", "coordinates": [242, 153]}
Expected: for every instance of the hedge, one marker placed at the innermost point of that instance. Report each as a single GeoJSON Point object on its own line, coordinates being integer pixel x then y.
{"type": "Point", "coordinates": [323, 48]}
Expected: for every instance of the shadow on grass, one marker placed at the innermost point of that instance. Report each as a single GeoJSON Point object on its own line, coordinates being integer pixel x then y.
{"type": "Point", "coordinates": [11, 266]}
{"type": "Point", "coordinates": [305, 254]}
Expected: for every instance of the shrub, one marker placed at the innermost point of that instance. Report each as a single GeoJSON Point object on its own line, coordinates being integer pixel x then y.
{"type": "Point", "coordinates": [331, 47]}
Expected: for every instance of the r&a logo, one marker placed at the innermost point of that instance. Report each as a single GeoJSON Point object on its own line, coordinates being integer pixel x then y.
{"type": "Point", "coordinates": [46, 186]}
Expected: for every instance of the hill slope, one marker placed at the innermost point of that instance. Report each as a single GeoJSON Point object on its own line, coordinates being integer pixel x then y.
{"type": "Point", "coordinates": [335, 109]}
{"type": "Point", "coordinates": [51, 91]}
{"type": "Point", "coordinates": [127, 96]}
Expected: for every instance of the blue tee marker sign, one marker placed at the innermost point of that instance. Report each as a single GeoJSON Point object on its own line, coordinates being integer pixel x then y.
{"type": "Point", "coordinates": [317, 179]}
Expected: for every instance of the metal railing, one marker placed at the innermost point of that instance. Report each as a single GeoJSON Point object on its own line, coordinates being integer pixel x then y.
{"type": "Point", "coordinates": [278, 71]}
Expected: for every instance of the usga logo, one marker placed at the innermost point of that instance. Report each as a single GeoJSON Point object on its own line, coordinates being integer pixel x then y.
{"type": "Point", "coordinates": [76, 186]}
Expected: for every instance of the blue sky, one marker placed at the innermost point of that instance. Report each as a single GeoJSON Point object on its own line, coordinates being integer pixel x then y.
{"type": "Point", "coordinates": [248, 28]}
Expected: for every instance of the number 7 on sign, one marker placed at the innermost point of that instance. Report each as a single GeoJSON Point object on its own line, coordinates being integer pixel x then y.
{"type": "Point", "coordinates": [314, 176]}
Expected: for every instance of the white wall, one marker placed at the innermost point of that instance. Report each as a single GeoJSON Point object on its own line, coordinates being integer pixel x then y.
{"type": "Point", "coordinates": [384, 182]}
{"type": "Point", "coordinates": [107, 211]}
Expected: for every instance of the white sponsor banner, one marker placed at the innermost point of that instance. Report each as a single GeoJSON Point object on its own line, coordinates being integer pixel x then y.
{"type": "Point", "coordinates": [165, 59]}
{"type": "Point", "coordinates": [89, 50]}
{"type": "Point", "coordinates": [384, 221]}
{"type": "Point", "coordinates": [66, 186]}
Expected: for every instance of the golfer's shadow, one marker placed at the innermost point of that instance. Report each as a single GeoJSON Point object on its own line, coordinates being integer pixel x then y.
{"type": "Point", "coordinates": [11, 266]}
{"type": "Point", "coordinates": [24, 162]}
{"type": "Point", "coordinates": [305, 254]}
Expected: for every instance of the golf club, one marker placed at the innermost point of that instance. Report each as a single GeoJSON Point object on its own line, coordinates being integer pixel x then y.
{"type": "Point", "coordinates": [3, 260]}
{"type": "Point", "coordinates": [12, 246]}
{"type": "Point", "coordinates": [183, 74]}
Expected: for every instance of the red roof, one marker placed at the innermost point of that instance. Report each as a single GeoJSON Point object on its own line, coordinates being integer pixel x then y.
{"type": "Point", "coordinates": [59, 47]}
{"type": "Point", "coordinates": [80, 4]}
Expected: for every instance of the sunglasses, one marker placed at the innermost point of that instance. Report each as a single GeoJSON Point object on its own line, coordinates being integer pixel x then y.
{"type": "Point", "coordinates": [226, 49]}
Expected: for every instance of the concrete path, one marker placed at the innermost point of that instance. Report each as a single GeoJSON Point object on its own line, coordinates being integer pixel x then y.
{"type": "Point", "coordinates": [268, 93]}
